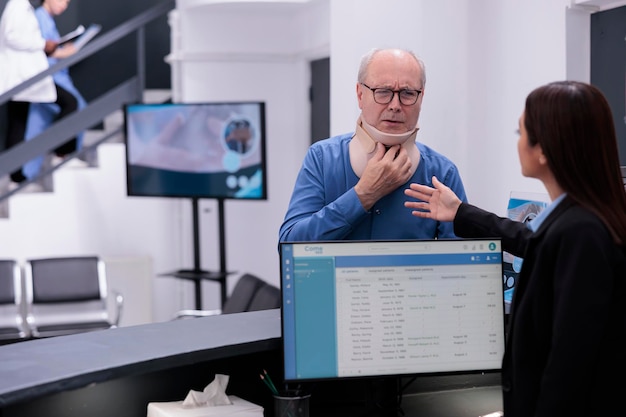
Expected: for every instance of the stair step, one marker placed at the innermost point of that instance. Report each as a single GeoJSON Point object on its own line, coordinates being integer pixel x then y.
{"type": "Point", "coordinates": [44, 185]}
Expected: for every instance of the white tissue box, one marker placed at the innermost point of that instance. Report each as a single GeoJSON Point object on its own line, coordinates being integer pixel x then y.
{"type": "Point", "coordinates": [239, 406]}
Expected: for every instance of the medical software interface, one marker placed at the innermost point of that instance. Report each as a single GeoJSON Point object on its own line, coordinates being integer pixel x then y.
{"type": "Point", "coordinates": [389, 308]}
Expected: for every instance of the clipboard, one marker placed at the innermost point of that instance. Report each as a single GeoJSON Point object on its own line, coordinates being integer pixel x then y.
{"type": "Point", "coordinates": [72, 35]}
{"type": "Point", "coordinates": [87, 35]}
{"type": "Point", "coordinates": [81, 35]}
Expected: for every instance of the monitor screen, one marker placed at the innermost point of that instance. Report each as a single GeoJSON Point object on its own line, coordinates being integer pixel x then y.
{"type": "Point", "coordinates": [203, 150]}
{"type": "Point", "coordinates": [391, 308]}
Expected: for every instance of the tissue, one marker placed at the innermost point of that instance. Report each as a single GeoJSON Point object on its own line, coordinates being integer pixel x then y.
{"type": "Point", "coordinates": [212, 395]}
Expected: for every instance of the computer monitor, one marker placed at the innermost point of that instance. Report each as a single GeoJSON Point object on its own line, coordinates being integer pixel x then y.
{"type": "Point", "coordinates": [353, 309]}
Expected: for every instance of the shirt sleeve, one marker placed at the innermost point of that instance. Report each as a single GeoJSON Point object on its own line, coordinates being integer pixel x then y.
{"type": "Point", "coordinates": [471, 221]}
{"type": "Point", "coordinates": [309, 217]}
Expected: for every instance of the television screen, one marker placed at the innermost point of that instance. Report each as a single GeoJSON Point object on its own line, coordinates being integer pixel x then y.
{"type": "Point", "coordinates": [201, 150]}
{"type": "Point", "coordinates": [391, 308]}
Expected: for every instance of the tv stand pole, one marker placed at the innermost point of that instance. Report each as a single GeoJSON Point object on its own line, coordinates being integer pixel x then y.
{"type": "Point", "coordinates": [196, 235]}
{"type": "Point", "coordinates": [222, 236]}
{"type": "Point", "coordinates": [197, 274]}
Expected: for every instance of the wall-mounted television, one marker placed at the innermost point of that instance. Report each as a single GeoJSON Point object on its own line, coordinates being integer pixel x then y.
{"type": "Point", "coordinates": [196, 150]}
{"type": "Point", "coordinates": [355, 309]}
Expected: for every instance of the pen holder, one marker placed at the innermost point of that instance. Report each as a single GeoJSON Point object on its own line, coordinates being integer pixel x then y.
{"type": "Point", "coordinates": [291, 404]}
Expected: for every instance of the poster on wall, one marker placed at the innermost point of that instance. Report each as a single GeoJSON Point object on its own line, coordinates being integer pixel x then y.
{"type": "Point", "coordinates": [522, 207]}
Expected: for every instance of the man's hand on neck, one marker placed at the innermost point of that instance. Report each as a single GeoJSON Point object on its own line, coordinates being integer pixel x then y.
{"type": "Point", "coordinates": [387, 170]}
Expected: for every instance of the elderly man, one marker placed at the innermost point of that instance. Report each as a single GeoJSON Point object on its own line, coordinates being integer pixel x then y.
{"type": "Point", "coordinates": [351, 186]}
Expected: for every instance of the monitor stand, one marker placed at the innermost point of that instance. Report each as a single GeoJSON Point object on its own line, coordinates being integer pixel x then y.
{"type": "Point", "coordinates": [367, 397]}
{"type": "Point", "coordinates": [383, 398]}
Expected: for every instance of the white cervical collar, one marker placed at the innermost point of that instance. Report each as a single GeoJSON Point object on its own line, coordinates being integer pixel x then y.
{"type": "Point", "coordinates": [363, 145]}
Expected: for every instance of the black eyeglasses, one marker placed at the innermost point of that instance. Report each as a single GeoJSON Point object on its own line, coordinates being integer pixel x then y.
{"type": "Point", "coordinates": [407, 96]}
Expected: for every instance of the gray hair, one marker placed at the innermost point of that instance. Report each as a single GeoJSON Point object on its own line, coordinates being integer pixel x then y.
{"type": "Point", "coordinates": [367, 59]}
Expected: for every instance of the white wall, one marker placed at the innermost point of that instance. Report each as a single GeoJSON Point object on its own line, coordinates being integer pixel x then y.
{"type": "Point", "coordinates": [252, 52]}
{"type": "Point", "coordinates": [89, 214]}
{"type": "Point", "coordinates": [482, 58]}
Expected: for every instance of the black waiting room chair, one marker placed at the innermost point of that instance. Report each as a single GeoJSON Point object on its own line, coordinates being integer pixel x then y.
{"type": "Point", "coordinates": [266, 297]}
{"type": "Point", "coordinates": [251, 293]}
{"type": "Point", "coordinates": [67, 295]}
{"type": "Point", "coordinates": [12, 324]}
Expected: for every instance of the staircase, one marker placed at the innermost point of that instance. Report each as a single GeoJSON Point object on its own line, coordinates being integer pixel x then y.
{"type": "Point", "coordinates": [102, 110]}
{"type": "Point", "coordinates": [88, 159]}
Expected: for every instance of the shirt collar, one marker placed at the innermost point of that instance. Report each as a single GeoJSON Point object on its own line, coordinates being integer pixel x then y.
{"type": "Point", "coordinates": [535, 223]}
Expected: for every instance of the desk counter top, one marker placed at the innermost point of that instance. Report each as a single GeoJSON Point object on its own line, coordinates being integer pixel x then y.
{"type": "Point", "coordinates": [36, 368]}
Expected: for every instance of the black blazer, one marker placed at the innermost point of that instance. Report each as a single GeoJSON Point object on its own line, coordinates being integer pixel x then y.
{"type": "Point", "coordinates": [566, 342]}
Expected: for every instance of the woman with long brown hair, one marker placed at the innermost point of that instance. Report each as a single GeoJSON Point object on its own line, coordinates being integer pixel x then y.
{"type": "Point", "coordinates": [567, 329]}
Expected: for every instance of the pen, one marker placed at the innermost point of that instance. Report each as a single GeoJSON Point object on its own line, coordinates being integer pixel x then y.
{"type": "Point", "coordinates": [269, 385]}
{"type": "Point", "coordinates": [269, 380]}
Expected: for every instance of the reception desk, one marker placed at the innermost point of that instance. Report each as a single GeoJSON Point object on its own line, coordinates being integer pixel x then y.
{"type": "Point", "coordinates": [118, 372]}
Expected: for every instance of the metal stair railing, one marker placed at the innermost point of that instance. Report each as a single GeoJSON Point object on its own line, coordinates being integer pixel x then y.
{"type": "Point", "coordinates": [96, 110]}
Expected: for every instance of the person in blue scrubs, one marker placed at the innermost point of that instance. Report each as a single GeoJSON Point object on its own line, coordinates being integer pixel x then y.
{"type": "Point", "coordinates": [42, 115]}
{"type": "Point", "coordinates": [350, 187]}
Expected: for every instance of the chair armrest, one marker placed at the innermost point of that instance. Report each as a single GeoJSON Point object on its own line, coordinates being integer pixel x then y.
{"type": "Point", "coordinates": [119, 306]}
{"type": "Point", "coordinates": [197, 313]}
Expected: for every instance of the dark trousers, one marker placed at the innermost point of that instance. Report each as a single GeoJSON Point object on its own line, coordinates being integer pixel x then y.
{"type": "Point", "coordinates": [17, 113]}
